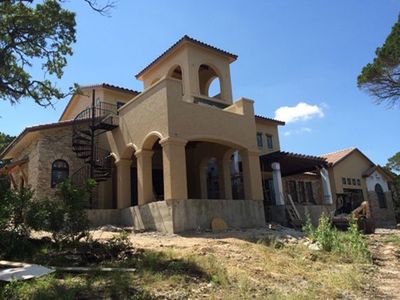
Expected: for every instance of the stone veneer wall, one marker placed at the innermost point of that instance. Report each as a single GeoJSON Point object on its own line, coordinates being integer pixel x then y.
{"type": "Point", "coordinates": [52, 144]}
{"type": "Point", "coordinates": [383, 217]}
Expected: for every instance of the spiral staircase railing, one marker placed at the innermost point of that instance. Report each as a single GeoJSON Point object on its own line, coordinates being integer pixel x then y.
{"type": "Point", "coordinates": [88, 125]}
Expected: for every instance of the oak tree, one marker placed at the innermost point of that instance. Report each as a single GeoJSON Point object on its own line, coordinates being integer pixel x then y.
{"type": "Point", "coordinates": [381, 78]}
{"type": "Point", "coordinates": [36, 34]}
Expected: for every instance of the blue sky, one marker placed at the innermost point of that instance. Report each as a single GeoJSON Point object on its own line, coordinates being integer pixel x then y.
{"type": "Point", "coordinates": [290, 52]}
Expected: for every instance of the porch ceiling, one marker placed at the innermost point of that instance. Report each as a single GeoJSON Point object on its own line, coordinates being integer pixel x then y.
{"type": "Point", "coordinates": [291, 163]}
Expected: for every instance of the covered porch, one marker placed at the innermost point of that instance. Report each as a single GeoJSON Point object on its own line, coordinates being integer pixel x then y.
{"type": "Point", "coordinates": [295, 180]}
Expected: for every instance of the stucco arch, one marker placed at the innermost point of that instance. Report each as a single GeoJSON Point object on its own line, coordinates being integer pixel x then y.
{"type": "Point", "coordinates": [150, 139]}
{"type": "Point", "coordinates": [176, 71]}
{"type": "Point", "coordinates": [205, 80]}
{"type": "Point", "coordinates": [128, 151]}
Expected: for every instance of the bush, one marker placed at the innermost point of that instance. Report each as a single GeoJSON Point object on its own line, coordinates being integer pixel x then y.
{"type": "Point", "coordinates": [14, 205]}
{"type": "Point", "coordinates": [65, 216]}
{"type": "Point", "coordinates": [349, 244]}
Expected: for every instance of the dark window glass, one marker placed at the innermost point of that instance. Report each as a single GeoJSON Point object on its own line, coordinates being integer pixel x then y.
{"type": "Point", "coordinates": [358, 182]}
{"type": "Point", "coordinates": [381, 196]}
{"type": "Point", "coordinates": [270, 144]}
{"type": "Point", "coordinates": [348, 181]}
{"type": "Point", "coordinates": [353, 181]}
{"type": "Point", "coordinates": [59, 172]}
{"type": "Point", "coordinates": [343, 180]}
{"type": "Point", "coordinates": [259, 139]}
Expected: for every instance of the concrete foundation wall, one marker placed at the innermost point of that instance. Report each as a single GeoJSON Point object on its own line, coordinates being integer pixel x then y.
{"type": "Point", "coordinates": [152, 216]}
{"type": "Point", "coordinates": [176, 216]}
{"type": "Point", "coordinates": [100, 217]}
{"type": "Point", "coordinates": [193, 214]}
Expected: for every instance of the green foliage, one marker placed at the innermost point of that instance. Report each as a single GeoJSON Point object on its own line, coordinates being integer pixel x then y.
{"type": "Point", "coordinates": [381, 78]}
{"type": "Point", "coordinates": [37, 33]}
{"type": "Point", "coordinates": [349, 244]}
{"type": "Point", "coordinates": [393, 166]}
{"type": "Point", "coordinates": [393, 163]}
{"type": "Point", "coordinates": [64, 216]}
{"type": "Point", "coordinates": [5, 139]}
{"type": "Point", "coordinates": [41, 34]}
{"type": "Point", "coordinates": [14, 205]}
{"type": "Point", "coordinates": [14, 231]}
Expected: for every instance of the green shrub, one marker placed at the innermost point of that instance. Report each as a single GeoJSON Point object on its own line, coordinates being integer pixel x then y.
{"type": "Point", "coordinates": [14, 205]}
{"type": "Point", "coordinates": [64, 216]}
{"type": "Point", "coordinates": [349, 244]}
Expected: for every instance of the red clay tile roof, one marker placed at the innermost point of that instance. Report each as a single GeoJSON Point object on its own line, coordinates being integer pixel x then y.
{"type": "Point", "coordinates": [334, 157]}
{"type": "Point", "coordinates": [103, 85]}
{"type": "Point", "coordinates": [111, 87]}
{"type": "Point", "coordinates": [269, 119]}
{"type": "Point", "coordinates": [186, 38]}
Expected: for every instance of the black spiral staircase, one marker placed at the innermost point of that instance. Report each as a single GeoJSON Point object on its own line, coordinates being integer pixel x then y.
{"type": "Point", "coordinates": [87, 127]}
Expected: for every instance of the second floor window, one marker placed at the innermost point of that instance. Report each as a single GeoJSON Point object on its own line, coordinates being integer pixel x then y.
{"type": "Point", "coordinates": [259, 139]}
{"type": "Point", "coordinates": [270, 143]}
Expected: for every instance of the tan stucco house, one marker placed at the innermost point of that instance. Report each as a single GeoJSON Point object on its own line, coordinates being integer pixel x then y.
{"type": "Point", "coordinates": [174, 156]}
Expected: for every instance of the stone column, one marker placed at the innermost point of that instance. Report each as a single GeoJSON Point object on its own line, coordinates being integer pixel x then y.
{"type": "Point", "coordinates": [277, 179]}
{"type": "Point", "coordinates": [174, 168]}
{"type": "Point", "coordinates": [144, 176]}
{"type": "Point", "coordinates": [251, 175]}
{"type": "Point", "coordinates": [224, 166]}
{"type": "Point", "coordinates": [326, 186]}
{"type": "Point", "coordinates": [123, 183]}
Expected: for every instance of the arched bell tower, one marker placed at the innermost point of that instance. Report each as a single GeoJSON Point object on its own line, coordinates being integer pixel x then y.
{"type": "Point", "coordinates": [203, 69]}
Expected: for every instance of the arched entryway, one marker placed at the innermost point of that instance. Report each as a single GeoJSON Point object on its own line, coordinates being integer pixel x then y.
{"type": "Point", "coordinates": [213, 171]}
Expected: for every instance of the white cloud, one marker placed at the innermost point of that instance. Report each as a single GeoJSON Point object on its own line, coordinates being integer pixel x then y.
{"type": "Point", "coordinates": [301, 112]}
{"type": "Point", "coordinates": [301, 130]}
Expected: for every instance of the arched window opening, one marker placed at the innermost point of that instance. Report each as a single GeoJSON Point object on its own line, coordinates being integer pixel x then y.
{"type": "Point", "coordinates": [212, 179]}
{"type": "Point", "coordinates": [381, 196]}
{"type": "Point", "coordinates": [157, 172]}
{"type": "Point", "coordinates": [59, 172]}
{"type": "Point", "coordinates": [209, 82]}
{"type": "Point", "coordinates": [237, 176]}
{"type": "Point", "coordinates": [176, 73]}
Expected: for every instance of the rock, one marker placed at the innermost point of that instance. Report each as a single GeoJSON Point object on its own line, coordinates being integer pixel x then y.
{"type": "Point", "coordinates": [218, 224]}
{"type": "Point", "coordinates": [314, 247]}
{"type": "Point", "coordinates": [111, 228]}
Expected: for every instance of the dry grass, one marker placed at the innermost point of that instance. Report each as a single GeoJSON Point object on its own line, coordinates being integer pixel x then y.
{"type": "Point", "coordinates": [225, 268]}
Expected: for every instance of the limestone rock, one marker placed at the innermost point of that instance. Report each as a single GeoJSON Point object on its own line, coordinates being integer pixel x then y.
{"type": "Point", "coordinates": [218, 224]}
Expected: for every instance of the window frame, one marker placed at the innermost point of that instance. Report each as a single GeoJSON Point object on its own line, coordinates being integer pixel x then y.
{"type": "Point", "coordinates": [54, 169]}
{"type": "Point", "coordinates": [380, 194]}
{"type": "Point", "coordinates": [270, 142]}
{"type": "Point", "coordinates": [259, 138]}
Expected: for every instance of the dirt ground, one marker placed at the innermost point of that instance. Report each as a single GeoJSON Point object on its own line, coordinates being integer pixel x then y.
{"type": "Point", "coordinates": [385, 248]}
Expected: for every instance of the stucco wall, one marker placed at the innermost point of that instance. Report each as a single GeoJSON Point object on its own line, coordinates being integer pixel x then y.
{"type": "Point", "coordinates": [351, 167]}
{"type": "Point", "coordinates": [374, 179]}
{"type": "Point", "coordinates": [268, 128]}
